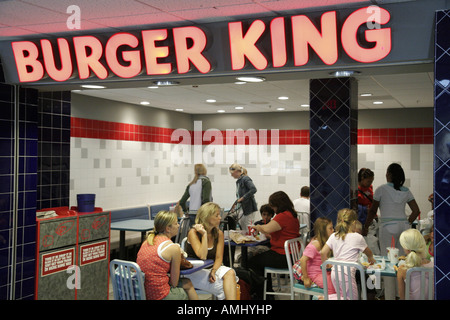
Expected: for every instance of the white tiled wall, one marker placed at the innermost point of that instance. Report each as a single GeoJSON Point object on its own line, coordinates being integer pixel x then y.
{"type": "Point", "coordinates": [129, 173]}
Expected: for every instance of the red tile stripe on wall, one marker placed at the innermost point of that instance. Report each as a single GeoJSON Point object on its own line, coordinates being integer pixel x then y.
{"type": "Point", "coordinates": [98, 129]}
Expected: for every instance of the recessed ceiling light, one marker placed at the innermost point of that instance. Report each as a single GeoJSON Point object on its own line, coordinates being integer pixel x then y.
{"type": "Point", "coordinates": [239, 108]}
{"type": "Point", "coordinates": [251, 79]}
{"type": "Point", "coordinates": [304, 105]}
{"type": "Point", "coordinates": [344, 73]}
{"type": "Point", "coordinates": [92, 86]}
{"type": "Point", "coordinates": [144, 103]}
{"type": "Point", "coordinates": [280, 109]}
{"type": "Point", "coordinates": [221, 111]}
{"type": "Point", "coordinates": [378, 102]}
{"type": "Point", "coordinates": [166, 83]}
{"type": "Point", "coordinates": [178, 109]}
{"type": "Point", "coordinates": [153, 87]}
{"type": "Point", "coordinates": [365, 94]}
{"type": "Point", "coordinates": [240, 82]}
{"type": "Point", "coordinates": [283, 98]}
{"type": "Point", "coordinates": [210, 100]}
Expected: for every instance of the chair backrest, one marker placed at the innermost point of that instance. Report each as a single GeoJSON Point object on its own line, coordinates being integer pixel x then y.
{"type": "Point", "coordinates": [426, 283]}
{"type": "Point", "coordinates": [127, 280]}
{"type": "Point", "coordinates": [183, 243]}
{"type": "Point", "coordinates": [293, 249]}
{"type": "Point", "coordinates": [185, 225]}
{"type": "Point", "coordinates": [343, 274]}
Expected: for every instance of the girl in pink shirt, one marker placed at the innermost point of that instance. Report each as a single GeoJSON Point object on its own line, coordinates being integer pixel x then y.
{"type": "Point", "coordinates": [346, 245]}
{"type": "Point", "coordinates": [310, 261]}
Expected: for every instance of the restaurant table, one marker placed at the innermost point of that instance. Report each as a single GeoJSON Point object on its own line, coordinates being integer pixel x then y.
{"type": "Point", "coordinates": [206, 263]}
{"type": "Point", "coordinates": [388, 271]}
{"type": "Point", "coordinates": [140, 225]}
{"type": "Point", "coordinates": [244, 247]}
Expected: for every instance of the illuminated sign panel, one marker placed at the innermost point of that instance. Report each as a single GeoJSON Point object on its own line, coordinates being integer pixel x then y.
{"type": "Point", "coordinates": [293, 41]}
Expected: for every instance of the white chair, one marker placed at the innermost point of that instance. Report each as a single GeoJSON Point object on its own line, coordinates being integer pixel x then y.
{"type": "Point", "coordinates": [294, 251]}
{"type": "Point", "coordinates": [426, 282]}
{"type": "Point", "coordinates": [303, 218]}
{"type": "Point", "coordinates": [127, 280]}
{"type": "Point", "coordinates": [268, 271]}
{"type": "Point", "coordinates": [343, 278]}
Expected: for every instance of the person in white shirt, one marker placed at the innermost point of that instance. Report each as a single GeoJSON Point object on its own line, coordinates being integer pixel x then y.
{"type": "Point", "coordinates": [302, 206]}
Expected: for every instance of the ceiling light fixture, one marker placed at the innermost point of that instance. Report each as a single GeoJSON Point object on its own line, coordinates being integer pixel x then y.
{"type": "Point", "coordinates": [153, 87]}
{"type": "Point", "coordinates": [178, 109]}
{"type": "Point", "coordinates": [221, 111]}
{"type": "Point", "coordinates": [166, 83]}
{"type": "Point", "coordinates": [92, 86]}
{"type": "Point", "coordinates": [238, 108]}
{"type": "Point", "coordinates": [210, 100]}
{"type": "Point", "coordinates": [251, 79]}
{"type": "Point", "coordinates": [365, 94]}
{"type": "Point", "coordinates": [240, 82]}
{"type": "Point", "coordinates": [280, 109]}
{"type": "Point", "coordinates": [344, 73]}
{"type": "Point", "coordinates": [378, 102]}
{"type": "Point", "coordinates": [283, 98]}
{"type": "Point", "coordinates": [145, 103]}
{"type": "Point", "coordinates": [304, 105]}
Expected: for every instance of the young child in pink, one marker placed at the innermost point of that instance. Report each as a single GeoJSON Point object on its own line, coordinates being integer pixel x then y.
{"type": "Point", "coordinates": [310, 261]}
{"type": "Point", "coordinates": [346, 245]}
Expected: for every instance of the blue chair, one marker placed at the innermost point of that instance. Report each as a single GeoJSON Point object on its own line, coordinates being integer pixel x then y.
{"type": "Point", "coordinates": [127, 280]}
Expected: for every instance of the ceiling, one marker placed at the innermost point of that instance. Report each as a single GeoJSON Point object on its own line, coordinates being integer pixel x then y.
{"type": "Point", "coordinates": [396, 87]}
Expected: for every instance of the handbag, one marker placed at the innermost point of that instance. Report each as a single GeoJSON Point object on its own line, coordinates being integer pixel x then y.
{"type": "Point", "coordinates": [297, 271]}
{"type": "Point", "coordinates": [184, 263]}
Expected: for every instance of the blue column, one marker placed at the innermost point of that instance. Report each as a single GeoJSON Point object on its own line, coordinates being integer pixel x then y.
{"type": "Point", "coordinates": [333, 146]}
{"type": "Point", "coordinates": [442, 156]}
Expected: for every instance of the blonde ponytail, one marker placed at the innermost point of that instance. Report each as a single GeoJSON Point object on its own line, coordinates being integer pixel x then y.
{"type": "Point", "coordinates": [162, 220]}
{"type": "Point", "coordinates": [413, 241]}
{"type": "Point", "coordinates": [345, 219]}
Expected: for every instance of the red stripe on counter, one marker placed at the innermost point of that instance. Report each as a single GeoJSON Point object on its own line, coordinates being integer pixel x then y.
{"type": "Point", "coordinates": [98, 129]}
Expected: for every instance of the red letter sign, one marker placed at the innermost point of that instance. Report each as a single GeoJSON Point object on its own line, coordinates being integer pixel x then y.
{"type": "Point", "coordinates": [86, 62]}
{"type": "Point", "coordinates": [381, 37]}
{"type": "Point", "coordinates": [49, 60]}
{"type": "Point", "coordinates": [134, 57]}
{"type": "Point", "coordinates": [194, 53]}
{"type": "Point", "coordinates": [30, 60]}
{"type": "Point", "coordinates": [325, 44]}
{"type": "Point", "coordinates": [244, 46]}
{"type": "Point", "coordinates": [152, 52]}
{"type": "Point", "coordinates": [278, 38]}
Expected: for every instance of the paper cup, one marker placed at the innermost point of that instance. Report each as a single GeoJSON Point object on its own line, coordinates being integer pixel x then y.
{"type": "Point", "coordinates": [392, 254]}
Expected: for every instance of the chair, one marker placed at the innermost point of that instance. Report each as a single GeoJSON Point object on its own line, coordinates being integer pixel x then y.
{"type": "Point", "coordinates": [127, 280]}
{"type": "Point", "coordinates": [426, 275]}
{"type": "Point", "coordinates": [294, 250]}
{"type": "Point", "coordinates": [185, 225]}
{"type": "Point", "coordinates": [343, 278]}
{"type": "Point", "coordinates": [303, 218]}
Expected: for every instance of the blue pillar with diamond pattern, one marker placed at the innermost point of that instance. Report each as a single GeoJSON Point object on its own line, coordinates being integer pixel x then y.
{"type": "Point", "coordinates": [333, 146]}
{"type": "Point", "coordinates": [442, 156]}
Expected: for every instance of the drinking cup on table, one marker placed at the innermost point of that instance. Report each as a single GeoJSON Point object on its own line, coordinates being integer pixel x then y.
{"type": "Point", "coordinates": [392, 254]}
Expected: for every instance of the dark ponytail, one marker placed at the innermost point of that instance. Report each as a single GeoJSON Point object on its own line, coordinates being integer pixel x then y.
{"type": "Point", "coordinates": [397, 175]}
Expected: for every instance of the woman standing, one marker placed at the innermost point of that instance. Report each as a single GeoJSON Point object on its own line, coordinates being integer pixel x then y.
{"type": "Point", "coordinates": [391, 198]}
{"type": "Point", "coordinates": [245, 194]}
{"type": "Point", "coordinates": [206, 241]}
{"type": "Point", "coordinates": [159, 256]}
{"type": "Point", "coordinates": [198, 190]}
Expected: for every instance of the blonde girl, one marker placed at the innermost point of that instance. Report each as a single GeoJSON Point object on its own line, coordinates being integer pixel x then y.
{"type": "Point", "coordinates": [206, 241]}
{"type": "Point", "coordinates": [158, 257]}
{"type": "Point", "coordinates": [346, 245]}
{"type": "Point", "coordinates": [310, 261]}
{"type": "Point", "coordinates": [413, 243]}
